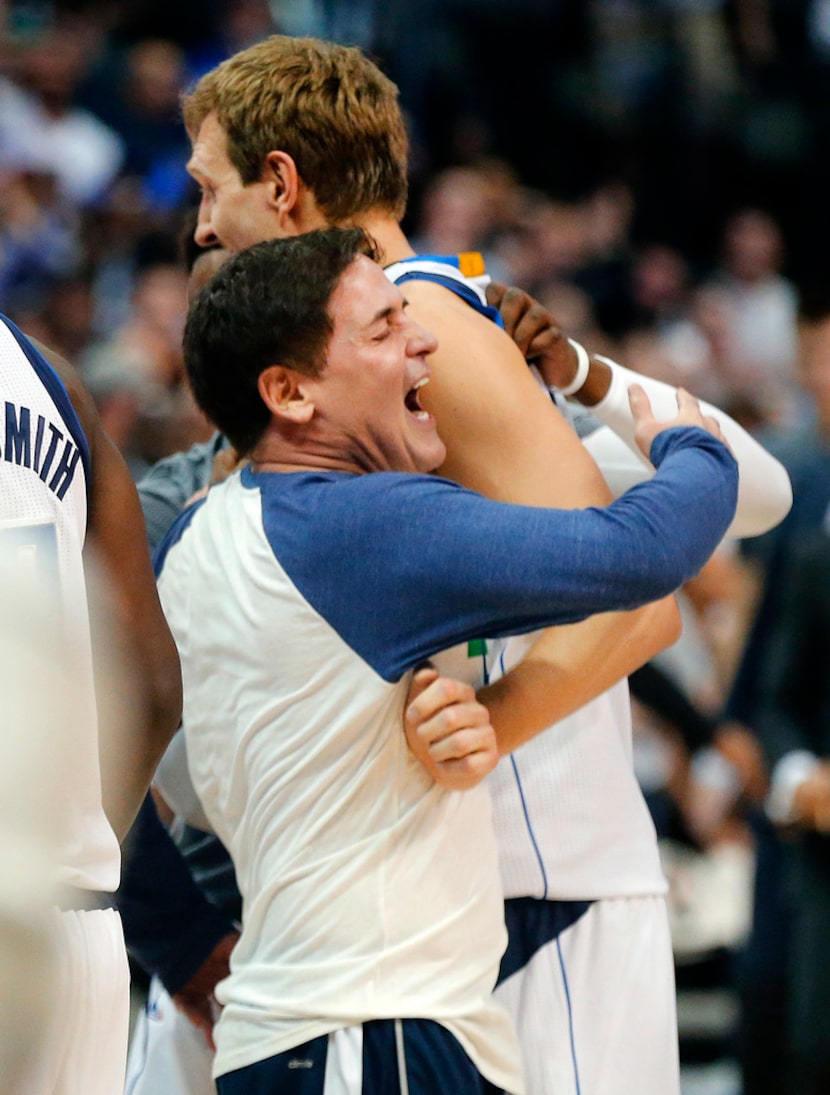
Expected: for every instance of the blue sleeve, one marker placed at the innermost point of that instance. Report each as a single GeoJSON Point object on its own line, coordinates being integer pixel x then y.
{"type": "Point", "coordinates": [171, 483]}
{"type": "Point", "coordinates": [404, 566]}
{"type": "Point", "coordinates": [170, 927]}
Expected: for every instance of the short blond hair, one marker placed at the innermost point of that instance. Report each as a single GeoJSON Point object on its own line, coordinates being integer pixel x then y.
{"type": "Point", "coordinates": [328, 106]}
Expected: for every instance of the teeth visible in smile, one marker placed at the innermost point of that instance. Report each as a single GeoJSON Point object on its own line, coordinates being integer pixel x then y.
{"type": "Point", "coordinates": [412, 403]}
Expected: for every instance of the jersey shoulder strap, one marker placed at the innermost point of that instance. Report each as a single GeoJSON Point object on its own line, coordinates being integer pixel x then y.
{"type": "Point", "coordinates": [464, 274]}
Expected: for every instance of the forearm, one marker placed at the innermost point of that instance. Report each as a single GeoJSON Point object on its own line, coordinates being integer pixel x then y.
{"type": "Point", "coordinates": [639, 549]}
{"type": "Point", "coordinates": [764, 492]}
{"type": "Point", "coordinates": [169, 925]}
{"type": "Point", "coordinates": [132, 745]}
{"type": "Point", "coordinates": [138, 694]}
{"type": "Point", "coordinates": [569, 666]}
{"type": "Point", "coordinates": [596, 382]}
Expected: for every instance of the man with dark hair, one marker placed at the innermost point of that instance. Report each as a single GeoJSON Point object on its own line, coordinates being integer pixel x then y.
{"type": "Point", "coordinates": [294, 134]}
{"type": "Point", "coordinates": [372, 909]}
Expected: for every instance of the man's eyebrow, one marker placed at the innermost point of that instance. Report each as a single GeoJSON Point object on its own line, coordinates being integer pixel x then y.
{"type": "Point", "coordinates": [381, 314]}
{"type": "Point", "coordinates": [389, 310]}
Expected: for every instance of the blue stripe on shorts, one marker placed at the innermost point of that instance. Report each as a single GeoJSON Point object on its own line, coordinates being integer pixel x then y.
{"type": "Point", "coordinates": [531, 924]}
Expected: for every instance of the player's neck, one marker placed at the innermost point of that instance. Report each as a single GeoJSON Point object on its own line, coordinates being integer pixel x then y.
{"type": "Point", "coordinates": [316, 450]}
{"type": "Point", "coordinates": [387, 234]}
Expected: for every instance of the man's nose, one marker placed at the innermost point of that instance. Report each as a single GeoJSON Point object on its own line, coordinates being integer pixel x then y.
{"type": "Point", "coordinates": [204, 234]}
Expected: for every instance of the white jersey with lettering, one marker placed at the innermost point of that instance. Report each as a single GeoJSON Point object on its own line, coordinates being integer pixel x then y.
{"type": "Point", "coordinates": [44, 477]}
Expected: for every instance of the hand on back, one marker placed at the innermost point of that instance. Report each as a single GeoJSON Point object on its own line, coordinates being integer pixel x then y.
{"type": "Point", "coordinates": [534, 329]}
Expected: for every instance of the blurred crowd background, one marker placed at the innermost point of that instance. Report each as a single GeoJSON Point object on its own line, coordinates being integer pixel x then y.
{"type": "Point", "coordinates": [657, 172]}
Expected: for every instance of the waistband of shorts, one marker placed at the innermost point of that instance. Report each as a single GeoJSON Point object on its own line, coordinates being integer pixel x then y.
{"type": "Point", "coordinates": [77, 899]}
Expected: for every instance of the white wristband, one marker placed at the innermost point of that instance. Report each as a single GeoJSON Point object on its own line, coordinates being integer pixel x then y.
{"type": "Point", "coordinates": [583, 367]}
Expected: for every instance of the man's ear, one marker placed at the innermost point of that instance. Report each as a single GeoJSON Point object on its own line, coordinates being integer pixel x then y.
{"type": "Point", "coordinates": [289, 198]}
{"type": "Point", "coordinates": [280, 175]}
{"type": "Point", "coordinates": [283, 393]}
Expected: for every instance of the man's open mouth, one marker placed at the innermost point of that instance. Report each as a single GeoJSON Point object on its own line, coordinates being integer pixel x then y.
{"type": "Point", "coordinates": [413, 399]}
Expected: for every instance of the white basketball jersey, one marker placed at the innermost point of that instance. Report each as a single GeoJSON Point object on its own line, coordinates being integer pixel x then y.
{"type": "Point", "coordinates": [570, 818]}
{"type": "Point", "coordinates": [44, 476]}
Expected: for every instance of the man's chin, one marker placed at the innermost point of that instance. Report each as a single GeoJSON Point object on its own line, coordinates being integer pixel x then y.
{"type": "Point", "coordinates": [434, 460]}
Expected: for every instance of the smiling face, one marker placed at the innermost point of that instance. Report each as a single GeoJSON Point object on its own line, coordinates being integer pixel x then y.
{"type": "Point", "coordinates": [230, 213]}
{"type": "Point", "coordinates": [366, 401]}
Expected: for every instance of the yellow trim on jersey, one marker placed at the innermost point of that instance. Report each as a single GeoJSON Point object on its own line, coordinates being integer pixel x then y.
{"type": "Point", "coordinates": [471, 264]}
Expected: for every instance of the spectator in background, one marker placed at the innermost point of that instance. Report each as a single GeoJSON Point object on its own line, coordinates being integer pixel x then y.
{"type": "Point", "coordinates": [805, 452]}
{"type": "Point", "coordinates": [136, 91]}
{"type": "Point", "coordinates": [794, 725]}
{"type": "Point", "coordinates": [152, 334]}
{"type": "Point", "coordinates": [138, 373]}
{"type": "Point", "coordinates": [121, 237]}
{"type": "Point", "coordinates": [758, 309]}
{"type": "Point", "coordinates": [124, 400]}
{"type": "Point", "coordinates": [43, 129]}
{"type": "Point", "coordinates": [39, 233]}
{"type": "Point", "coordinates": [457, 213]}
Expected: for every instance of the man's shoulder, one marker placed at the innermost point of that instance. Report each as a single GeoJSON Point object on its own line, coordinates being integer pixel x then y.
{"type": "Point", "coordinates": [170, 484]}
{"type": "Point", "coordinates": [449, 278]}
{"type": "Point", "coordinates": [183, 472]}
{"type": "Point", "coordinates": [315, 494]}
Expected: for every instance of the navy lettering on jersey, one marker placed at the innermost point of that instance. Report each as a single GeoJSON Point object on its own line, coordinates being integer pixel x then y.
{"type": "Point", "coordinates": [55, 437]}
{"type": "Point", "coordinates": [18, 441]}
{"type": "Point", "coordinates": [60, 459]}
{"type": "Point", "coordinates": [70, 432]}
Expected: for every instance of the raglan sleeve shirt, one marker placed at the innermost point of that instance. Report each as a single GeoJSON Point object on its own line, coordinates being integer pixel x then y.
{"type": "Point", "coordinates": [455, 565]}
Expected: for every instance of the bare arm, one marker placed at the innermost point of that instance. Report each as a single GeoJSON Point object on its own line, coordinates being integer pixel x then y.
{"type": "Point", "coordinates": [506, 439]}
{"type": "Point", "coordinates": [458, 735]}
{"type": "Point", "coordinates": [571, 665]}
{"type": "Point", "coordinates": [130, 748]}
